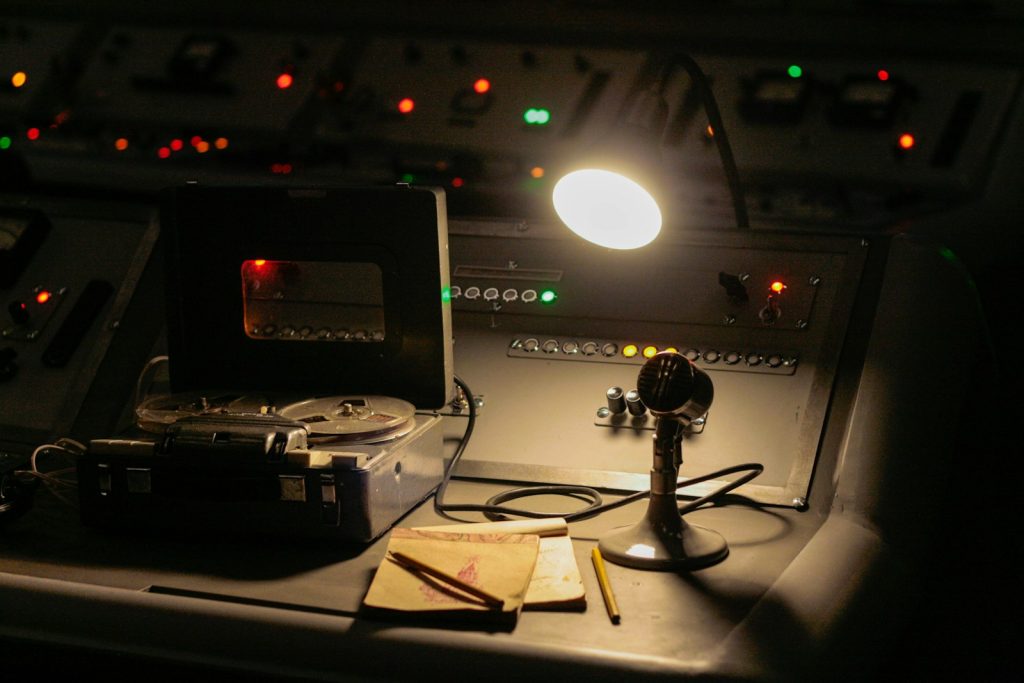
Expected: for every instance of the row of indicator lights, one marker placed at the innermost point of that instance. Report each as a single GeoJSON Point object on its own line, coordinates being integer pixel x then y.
{"type": "Point", "coordinates": [536, 172]}
{"type": "Point", "coordinates": [609, 349]}
{"type": "Point", "coordinates": [546, 296]}
{"type": "Point", "coordinates": [797, 71]}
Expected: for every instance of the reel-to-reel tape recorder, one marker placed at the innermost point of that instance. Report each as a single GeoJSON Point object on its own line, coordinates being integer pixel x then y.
{"type": "Point", "coordinates": [329, 346]}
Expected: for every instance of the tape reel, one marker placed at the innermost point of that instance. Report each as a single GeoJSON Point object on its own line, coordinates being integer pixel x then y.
{"type": "Point", "coordinates": [154, 414]}
{"type": "Point", "coordinates": [353, 419]}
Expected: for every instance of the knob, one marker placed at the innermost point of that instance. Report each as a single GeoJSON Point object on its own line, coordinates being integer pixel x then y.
{"type": "Point", "coordinates": [633, 403]}
{"type": "Point", "coordinates": [19, 312]}
{"type": "Point", "coordinates": [616, 400]}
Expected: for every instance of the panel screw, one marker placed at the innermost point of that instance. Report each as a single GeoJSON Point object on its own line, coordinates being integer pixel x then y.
{"type": "Point", "coordinates": [743, 277]}
{"type": "Point", "coordinates": [478, 401]}
{"type": "Point", "coordinates": [814, 281]}
{"type": "Point", "coordinates": [512, 265]}
{"type": "Point", "coordinates": [801, 324]}
{"type": "Point", "coordinates": [800, 503]}
{"type": "Point", "coordinates": [603, 412]}
{"type": "Point", "coordinates": [863, 243]}
{"type": "Point", "coordinates": [729, 319]}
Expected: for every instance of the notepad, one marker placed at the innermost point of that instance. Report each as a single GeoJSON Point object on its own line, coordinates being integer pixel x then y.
{"type": "Point", "coordinates": [501, 564]}
{"type": "Point", "coordinates": [556, 583]}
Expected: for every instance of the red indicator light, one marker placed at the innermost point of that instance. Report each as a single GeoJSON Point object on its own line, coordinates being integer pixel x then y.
{"type": "Point", "coordinates": [778, 286]}
{"type": "Point", "coordinates": [481, 85]}
{"type": "Point", "coordinates": [177, 145]}
{"type": "Point", "coordinates": [458, 182]}
{"type": "Point", "coordinates": [406, 105]}
{"type": "Point", "coordinates": [907, 141]}
{"type": "Point", "coordinates": [163, 152]}
{"type": "Point", "coordinates": [121, 144]}
{"type": "Point", "coordinates": [43, 296]}
{"type": "Point", "coordinates": [196, 139]}
{"type": "Point", "coordinates": [883, 75]}
{"type": "Point", "coordinates": [285, 80]}
{"type": "Point", "coordinates": [32, 133]}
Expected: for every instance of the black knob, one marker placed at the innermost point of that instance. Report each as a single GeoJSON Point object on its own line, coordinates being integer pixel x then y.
{"type": "Point", "coordinates": [634, 404]}
{"type": "Point", "coordinates": [19, 312]}
{"type": "Point", "coordinates": [616, 400]}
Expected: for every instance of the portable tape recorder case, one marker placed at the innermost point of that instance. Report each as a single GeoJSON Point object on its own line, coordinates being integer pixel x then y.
{"type": "Point", "coordinates": [309, 339]}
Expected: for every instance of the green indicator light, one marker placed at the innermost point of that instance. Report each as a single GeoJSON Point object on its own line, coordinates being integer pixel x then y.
{"type": "Point", "coordinates": [536, 116]}
{"type": "Point", "coordinates": [5, 142]}
{"type": "Point", "coordinates": [446, 295]}
{"type": "Point", "coordinates": [548, 296]}
{"type": "Point", "coordinates": [408, 178]}
{"type": "Point", "coordinates": [795, 71]}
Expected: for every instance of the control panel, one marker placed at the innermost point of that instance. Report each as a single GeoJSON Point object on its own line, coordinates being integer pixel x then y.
{"type": "Point", "coordinates": [854, 140]}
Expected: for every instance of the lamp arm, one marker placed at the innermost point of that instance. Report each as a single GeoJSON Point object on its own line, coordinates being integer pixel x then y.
{"type": "Point", "coordinates": [732, 175]}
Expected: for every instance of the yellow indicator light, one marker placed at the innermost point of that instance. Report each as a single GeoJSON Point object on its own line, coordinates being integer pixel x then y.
{"type": "Point", "coordinates": [537, 171]}
{"type": "Point", "coordinates": [778, 286]}
{"type": "Point", "coordinates": [650, 351]}
{"type": "Point", "coordinates": [121, 144]}
{"type": "Point", "coordinates": [630, 350]}
{"type": "Point", "coordinates": [221, 143]}
{"type": "Point", "coordinates": [671, 349]}
{"type": "Point", "coordinates": [18, 78]}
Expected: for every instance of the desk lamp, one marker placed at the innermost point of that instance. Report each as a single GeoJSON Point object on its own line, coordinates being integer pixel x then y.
{"type": "Point", "coordinates": [605, 203]}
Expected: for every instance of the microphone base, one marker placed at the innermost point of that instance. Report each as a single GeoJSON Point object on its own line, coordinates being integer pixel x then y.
{"type": "Point", "coordinates": [663, 541]}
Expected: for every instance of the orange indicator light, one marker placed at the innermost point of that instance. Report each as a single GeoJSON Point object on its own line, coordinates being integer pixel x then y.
{"type": "Point", "coordinates": [650, 351]}
{"type": "Point", "coordinates": [43, 296]}
{"type": "Point", "coordinates": [18, 79]}
{"type": "Point", "coordinates": [221, 143]}
{"type": "Point", "coordinates": [406, 105]}
{"type": "Point", "coordinates": [907, 141]}
{"type": "Point", "coordinates": [285, 80]}
{"type": "Point", "coordinates": [121, 144]}
{"type": "Point", "coordinates": [630, 350]}
{"type": "Point", "coordinates": [260, 262]}
{"type": "Point", "coordinates": [203, 147]}
{"type": "Point", "coordinates": [481, 86]}
{"type": "Point", "coordinates": [778, 286]}
{"type": "Point", "coordinates": [537, 171]}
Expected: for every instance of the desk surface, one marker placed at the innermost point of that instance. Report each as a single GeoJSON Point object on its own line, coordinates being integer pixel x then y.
{"type": "Point", "coordinates": [779, 605]}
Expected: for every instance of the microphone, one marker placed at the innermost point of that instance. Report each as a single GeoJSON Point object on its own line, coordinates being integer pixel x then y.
{"type": "Point", "coordinates": [673, 387]}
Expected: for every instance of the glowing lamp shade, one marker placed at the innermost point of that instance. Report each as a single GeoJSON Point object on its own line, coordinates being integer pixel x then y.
{"type": "Point", "coordinates": [607, 209]}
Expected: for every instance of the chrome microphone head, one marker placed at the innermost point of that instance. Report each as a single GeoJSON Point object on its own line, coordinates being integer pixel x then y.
{"type": "Point", "coordinates": [673, 387]}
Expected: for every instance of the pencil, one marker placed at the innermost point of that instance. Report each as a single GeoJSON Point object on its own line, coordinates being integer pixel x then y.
{"type": "Point", "coordinates": [418, 565]}
{"type": "Point", "coordinates": [606, 587]}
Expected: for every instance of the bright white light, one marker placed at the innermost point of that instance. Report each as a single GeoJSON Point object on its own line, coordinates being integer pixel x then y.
{"type": "Point", "coordinates": [607, 209]}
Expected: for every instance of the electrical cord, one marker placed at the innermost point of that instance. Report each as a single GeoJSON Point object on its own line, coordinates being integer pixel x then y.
{"type": "Point", "coordinates": [493, 508]}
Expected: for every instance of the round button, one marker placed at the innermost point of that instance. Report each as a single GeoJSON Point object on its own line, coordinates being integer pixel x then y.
{"type": "Point", "coordinates": [753, 358]}
{"type": "Point", "coordinates": [359, 335]}
{"type": "Point", "coordinates": [491, 294]}
{"type": "Point", "coordinates": [456, 291]}
{"type": "Point", "coordinates": [378, 335]}
{"type": "Point", "coordinates": [711, 356]}
{"type": "Point", "coordinates": [589, 348]}
{"type": "Point", "coordinates": [472, 292]}
{"type": "Point", "coordinates": [510, 295]}
{"type": "Point", "coordinates": [529, 295]}
{"type": "Point", "coordinates": [305, 331]}
{"type": "Point", "coordinates": [549, 346]}
{"type": "Point", "coordinates": [570, 347]}
{"type": "Point", "coordinates": [324, 333]}
{"type": "Point", "coordinates": [609, 349]}
{"type": "Point", "coordinates": [692, 354]}
{"type": "Point", "coordinates": [269, 329]}
{"type": "Point", "coordinates": [732, 358]}
{"type": "Point", "coordinates": [773, 361]}
{"type": "Point", "coordinates": [287, 331]}
{"type": "Point", "coordinates": [342, 333]}
{"type": "Point", "coordinates": [530, 345]}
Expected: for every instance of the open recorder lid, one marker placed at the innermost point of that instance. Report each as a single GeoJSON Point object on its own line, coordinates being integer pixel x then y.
{"type": "Point", "coordinates": [316, 291]}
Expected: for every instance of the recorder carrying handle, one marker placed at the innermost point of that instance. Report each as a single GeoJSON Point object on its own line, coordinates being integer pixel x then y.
{"type": "Point", "coordinates": [226, 438]}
